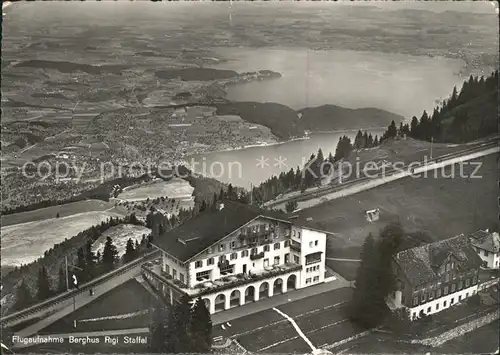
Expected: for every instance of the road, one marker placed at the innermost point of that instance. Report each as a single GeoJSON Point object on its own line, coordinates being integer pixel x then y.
{"type": "Point", "coordinates": [340, 259]}
{"type": "Point", "coordinates": [60, 310]}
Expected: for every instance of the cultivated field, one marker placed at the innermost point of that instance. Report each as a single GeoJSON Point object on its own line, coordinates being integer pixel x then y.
{"type": "Point", "coordinates": [175, 188]}
{"type": "Point", "coordinates": [51, 212]}
{"type": "Point", "coordinates": [441, 207]}
{"type": "Point", "coordinates": [120, 234]}
{"type": "Point", "coordinates": [26, 242]}
{"type": "Point", "coordinates": [129, 300]}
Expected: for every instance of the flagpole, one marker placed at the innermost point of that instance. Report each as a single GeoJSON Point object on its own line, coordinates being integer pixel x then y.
{"type": "Point", "coordinates": [67, 278]}
{"type": "Point", "coordinates": [432, 140]}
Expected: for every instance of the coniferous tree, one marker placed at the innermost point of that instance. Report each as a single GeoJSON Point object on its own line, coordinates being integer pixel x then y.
{"type": "Point", "coordinates": [43, 285]}
{"type": "Point", "coordinates": [23, 296]}
{"type": "Point", "coordinates": [390, 241]}
{"type": "Point", "coordinates": [81, 264]}
{"type": "Point", "coordinates": [109, 254]}
{"type": "Point", "coordinates": [158, 331]}
{"type": "Point", "coordinates": [129, 251]}
{"type": "Point", "coordinates": [178, 337]}
{"type": "Point", "coordinates": [366, 308]}
{"type": "Point", "coordinates": [392, 131]}
{"type": "Point", "coordinates": [61, 283]}
{"type": "Point", "coordinates": [90, 261]}
{"type": "Point", "coordinates": [200, 328]}
{"type": "Point", "coordinates": [414, 128]}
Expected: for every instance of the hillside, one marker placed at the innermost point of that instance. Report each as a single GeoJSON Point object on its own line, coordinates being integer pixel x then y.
{"type": "Point", "coordinates": [281, 119]}
{"type": "Point", "coordinates": [467, 115]}
{"type": "Point", "coordinates": [331, 117]}
{"type": "Point", "coordinates": [286, 123]}
{"type": "Point", "coordinates": [474, 119]}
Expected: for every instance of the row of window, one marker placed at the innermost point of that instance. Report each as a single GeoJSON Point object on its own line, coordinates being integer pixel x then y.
{"type": "Point", "coordinates": [174, 273]}
{"type": "Point", "coordinates": [445, 304]}
{"type": "Point", "coordinates": [314, 279]}
{"type": "Point", "coordinates": [296, 234]}
{"type": "Point", "coordinates": [427, 296]}
{"type": "Point", "coordinates": [174, 260]}
{"type": "Point", "coordinates": [312, 268]}
{"type": "Point", "coordinates": [445, 278]}
{"type": "Point", "coordinates": [249, 230]}
{"type": "Point", "coordinates": [244, 253]}
{"type": "Point", "coordinates": [276, 260]}
{"type": "Point", "coordinates": [485, 252]}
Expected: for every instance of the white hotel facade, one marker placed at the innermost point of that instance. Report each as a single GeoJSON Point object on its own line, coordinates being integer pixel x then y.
{"type": "Point", "coordinates": [235, 255]}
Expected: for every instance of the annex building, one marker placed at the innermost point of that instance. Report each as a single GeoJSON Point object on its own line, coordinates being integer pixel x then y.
{"type": "Point", "coordinates": [237, 254]}
{"type": "Point", "coordinates": [487, 245]}
{"type": "Point", "coordinates": [435, 276]}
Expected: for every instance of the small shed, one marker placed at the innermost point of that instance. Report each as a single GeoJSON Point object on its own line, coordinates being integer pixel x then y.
{"type": "Point", "coordinates": [372, 215]}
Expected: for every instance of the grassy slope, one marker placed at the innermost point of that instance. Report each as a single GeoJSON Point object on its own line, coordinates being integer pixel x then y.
{"type": "Point", "coordinates": [51, 212]}
{"type": "Point", "coordinates": [441, 207]}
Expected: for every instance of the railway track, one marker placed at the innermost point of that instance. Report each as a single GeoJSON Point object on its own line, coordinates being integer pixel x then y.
{"type": "Point", "coordinates": [490, 143]}
{"type": "Point", "coordinates": [32, 311]}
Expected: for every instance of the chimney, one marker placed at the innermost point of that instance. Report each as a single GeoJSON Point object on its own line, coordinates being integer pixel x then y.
{"type": "Point", "coordinates": [220, 206]}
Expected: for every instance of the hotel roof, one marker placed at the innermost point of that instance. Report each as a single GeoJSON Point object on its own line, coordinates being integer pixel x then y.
{"type": "Point", "coordinates": [199, 233]}
{"type": "Point", "coordinates": [421, 264]}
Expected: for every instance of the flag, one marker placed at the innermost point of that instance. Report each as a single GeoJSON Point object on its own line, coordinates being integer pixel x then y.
{"type": "Point", "coordinates": [5, 347]}
{"type": "Point", "coordinates": [75, 281]}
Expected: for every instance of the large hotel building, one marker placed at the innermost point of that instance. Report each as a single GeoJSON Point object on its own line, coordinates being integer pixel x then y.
{"type": "Point", "coordinates": [237, 254]}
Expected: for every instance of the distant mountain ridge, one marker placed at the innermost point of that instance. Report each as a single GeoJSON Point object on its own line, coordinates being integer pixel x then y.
{"type": "Point", "coordinates": [287, 123]}
{"type": "Point", "coordinates": [332, 117]}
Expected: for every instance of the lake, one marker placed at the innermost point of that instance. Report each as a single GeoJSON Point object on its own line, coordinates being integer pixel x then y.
{"type": "Point", "coordinates": [253, 165]}
{"type": "Point", "coordinates": [399, 83]}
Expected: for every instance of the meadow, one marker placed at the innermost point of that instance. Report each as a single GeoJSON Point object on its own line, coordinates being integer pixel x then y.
{"type": "Point", "coordinates": [440, 207]}
{"type": "Point", "coordinates": [26, 242]}
{"type": "Point", "coordinates": [65, 210]}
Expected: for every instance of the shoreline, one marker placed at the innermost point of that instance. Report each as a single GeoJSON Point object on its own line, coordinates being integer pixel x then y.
{"type": "Point", "coordinates": [264, 144]}
{"type": "Point", "coordinates": [268, 144]}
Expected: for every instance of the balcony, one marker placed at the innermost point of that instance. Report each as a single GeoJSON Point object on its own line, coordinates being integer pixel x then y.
{"type": "Point", "coordinates": [257, 256]}
{"type": "Point", "coordinates": [258, 233]}
{"type": "Point", "coordinates": [255, 244]}
{"type": "Point", "coordinates": [223, 263]}
{"type": "Point", "coordinates": [242, 279]}
{"type": "Point", "coordinates": [223, 283]}
{"type": "Point", "coordinates": [295, 246]}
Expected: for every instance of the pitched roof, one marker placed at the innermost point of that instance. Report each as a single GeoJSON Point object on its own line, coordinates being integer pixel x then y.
{"type": "Point", "coordinates": [486, 240]}
{"type": "Point", "coordinates": [421, 264]}
{"type": "Point", "coordinates": [208, 227]}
